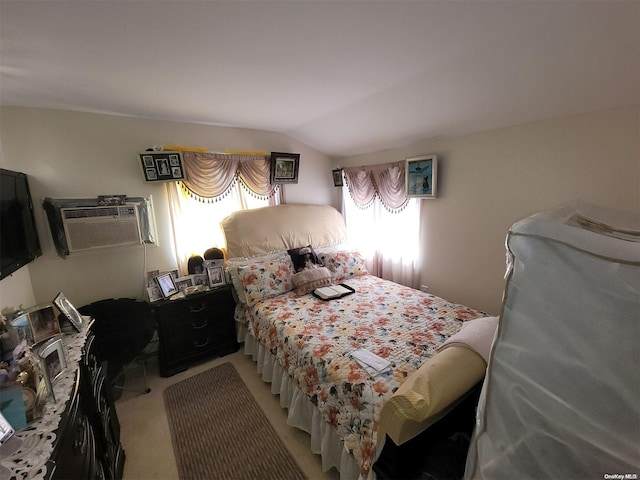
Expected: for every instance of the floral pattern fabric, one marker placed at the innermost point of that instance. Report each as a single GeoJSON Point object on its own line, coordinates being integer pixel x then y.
{"type": "Point", "coordinates": [312, 341]}
{"type": "Point", "coordinates": [343, 264]}
{"type": "Point", "coordinates": [266, 279]}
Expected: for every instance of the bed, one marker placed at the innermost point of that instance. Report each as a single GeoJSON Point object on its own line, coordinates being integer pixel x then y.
{"type": "Point", "coordinates": [303, 345]}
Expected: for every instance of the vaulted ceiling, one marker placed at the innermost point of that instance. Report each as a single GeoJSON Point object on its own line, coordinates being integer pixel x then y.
{"type": "Point", "coordinates": [345, 77]}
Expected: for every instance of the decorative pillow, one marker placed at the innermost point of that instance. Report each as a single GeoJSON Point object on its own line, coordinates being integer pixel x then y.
{"type": "Point", "coordinates": [309, 279]}
{"type": "Point", "coordinates": [266, 279]}
{"type": "Point", "coordinates": [232, 265]}
{"type": "Point", "coordinates": [303, 257]}
{"type": "Point", "coordinates": [344, 264]}
{"type": "Point", "coordinates": [476, 335]}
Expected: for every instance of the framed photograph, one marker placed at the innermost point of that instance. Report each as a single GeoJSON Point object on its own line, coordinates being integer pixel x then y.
{"type": "Point", "coordinates": [167, 284]}
{"type": "Point", "coordinates": [53, 361]}
{"type": "Point", "coordinates": [174, 160]}
{"type": "Point", "coordinates": [216, 262]}
{"type": "Point", "coordinates": [162, 166]}
{"type": "Point", "coordinates": [147, 161]}
{"type": "Point", "coordinates": [216, 276]}
{"type": "Point", "coordinates": [37, 324]}
{"type": "Point", "coordinates": [337, 177]}
{"type": "Point", "coordinates": [23, 329]}
{"type": "Point", "coordinates": [151, 174]}
{"type": "Point", "coordinates": [6, 430]}
{"type": "Point", "coordinates": [69, 311]}
{"type": "Point", "coordinates": [151, 278]}
{"type": "Point", "coordinates": [184, 282]}
{"type": "Point", "coordinates": [200, 279]}
{"type": "Point", "coordinates": [421, 176]}
{"type": "Point", "coordinates": [284, 167]}
{"type": "Point", "coordinates": [154, 294]}
{"type": "Point", "coordinates": [44, 323]}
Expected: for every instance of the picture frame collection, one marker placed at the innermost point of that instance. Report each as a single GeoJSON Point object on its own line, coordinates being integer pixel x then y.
{"type": "Point", "coordinates": [162, 166]}
{"type": "Point", "coordinates": [40, 335]}
{"type": "Point", "coordinates": [36, 324]}
{"type": "Point", "coordinates": [164, 285]}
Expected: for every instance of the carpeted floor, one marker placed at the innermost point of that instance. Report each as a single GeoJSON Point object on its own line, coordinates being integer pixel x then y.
{"type": "Point", "coordinates": [218, 430]}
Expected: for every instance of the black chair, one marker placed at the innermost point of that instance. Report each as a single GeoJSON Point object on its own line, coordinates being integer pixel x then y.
{"type": "Point", "coordinates": [123, 328]}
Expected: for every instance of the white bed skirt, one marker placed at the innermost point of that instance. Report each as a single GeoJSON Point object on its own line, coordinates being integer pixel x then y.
{"type": "Point", "coordinates": [303, 414]}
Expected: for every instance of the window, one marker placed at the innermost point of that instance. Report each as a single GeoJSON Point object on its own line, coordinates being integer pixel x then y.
{"type": "Point", "coordinates": [382, 223]}
{"type": "Point", "coordinates": [216, 186]}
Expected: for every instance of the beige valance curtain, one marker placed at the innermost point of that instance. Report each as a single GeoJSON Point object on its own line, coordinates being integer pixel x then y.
{"type": "Point", "coordinates": [386, 181]}
{"type": "Point", "coordinates": [212, 175]}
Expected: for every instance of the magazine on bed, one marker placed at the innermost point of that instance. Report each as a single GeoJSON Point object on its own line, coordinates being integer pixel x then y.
{"type": "Point", "coordinates": [333, 291]}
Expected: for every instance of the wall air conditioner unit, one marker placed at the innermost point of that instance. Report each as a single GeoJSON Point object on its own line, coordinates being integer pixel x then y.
{"type": "Point", "coordinates": [89, 228]}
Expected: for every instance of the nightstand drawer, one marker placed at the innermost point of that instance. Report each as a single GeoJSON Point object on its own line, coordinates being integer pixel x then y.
{"type": "Point", "coordinates": [186, 340]}
{"type": "Point", "coordinates": [190, 324]}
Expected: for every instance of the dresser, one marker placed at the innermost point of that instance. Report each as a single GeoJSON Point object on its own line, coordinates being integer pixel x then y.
{"type": "Point", "coordinates": [194, 328]}
{"type": "Point", "coordinates": [78, 436]}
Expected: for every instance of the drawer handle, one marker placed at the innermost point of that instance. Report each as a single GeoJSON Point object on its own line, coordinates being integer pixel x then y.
{"type": "Point", "coordinates": [201, 345]}
{"type": "Point", "coordinates": [201, 326]}
{"type": "Point", "coordinates": [79, 443]}
{"type": "Point", "coordinates": [197, 310]}
{"type": "Point", "coordinates": [77, 446]}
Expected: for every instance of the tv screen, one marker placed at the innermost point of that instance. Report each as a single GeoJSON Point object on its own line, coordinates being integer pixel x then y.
{"type": "Point", "coordinates": [19, 242]}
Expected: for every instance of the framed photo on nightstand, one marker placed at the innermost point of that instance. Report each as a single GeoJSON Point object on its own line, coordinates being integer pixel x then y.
{"type": "Point", "coordinates": [167, 284]}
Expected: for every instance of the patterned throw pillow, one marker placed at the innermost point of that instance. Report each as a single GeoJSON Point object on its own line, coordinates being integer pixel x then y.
{"type": "Point", "coordinates": [266, 279]}
{"type": "Point", "coordinates": [233, 264]}
{"type": "Point", "coordinates": [344, 264]}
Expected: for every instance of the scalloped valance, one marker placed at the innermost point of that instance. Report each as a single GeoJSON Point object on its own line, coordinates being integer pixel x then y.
{"type": "Point", "coordinates": [386, 181]}
{"type": "Point", "coordinates": [212, 175]}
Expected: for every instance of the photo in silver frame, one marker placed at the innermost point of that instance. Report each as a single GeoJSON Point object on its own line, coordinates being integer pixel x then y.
{"type": "Point", "coordinates": [54, 362]}
{"type": "Point", "coordinates": [69, 311]}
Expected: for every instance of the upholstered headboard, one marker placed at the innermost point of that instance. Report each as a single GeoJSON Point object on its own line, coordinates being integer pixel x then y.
{"type": "Point", "coordinates": [270, 229]}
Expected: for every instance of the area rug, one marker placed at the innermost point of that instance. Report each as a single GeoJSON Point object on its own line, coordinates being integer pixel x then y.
{"type": "Point", "coordinates": [218, 430]}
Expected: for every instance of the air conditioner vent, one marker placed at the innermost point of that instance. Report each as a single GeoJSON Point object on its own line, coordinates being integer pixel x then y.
{"type": "Point", "coordinates": [90, 212]}
{"type": "Point", "coordinates": [88, 228]}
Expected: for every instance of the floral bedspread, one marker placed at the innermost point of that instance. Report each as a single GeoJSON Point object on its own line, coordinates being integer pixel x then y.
{"type": "Point", "coordinates": [312, 340]}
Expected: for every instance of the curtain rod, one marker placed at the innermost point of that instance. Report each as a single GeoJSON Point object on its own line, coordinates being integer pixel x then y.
{"type": "Point", "coordinates": [183, 148]}
{"type": "Point", "coordinates": [374, 166]}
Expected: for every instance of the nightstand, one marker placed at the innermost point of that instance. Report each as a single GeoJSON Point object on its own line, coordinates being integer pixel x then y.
{"type": "Point", "coordinates": [194, 328]}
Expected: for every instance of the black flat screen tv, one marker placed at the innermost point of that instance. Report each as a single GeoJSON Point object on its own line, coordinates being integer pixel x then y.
{"type": "Point", "coordinates": [19, 242]}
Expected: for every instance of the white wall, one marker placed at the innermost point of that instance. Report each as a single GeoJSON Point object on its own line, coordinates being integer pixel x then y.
{"type": "Point", "coordinates": [488, 181]}
{"type": "Point", "coordinates": [72, 154]}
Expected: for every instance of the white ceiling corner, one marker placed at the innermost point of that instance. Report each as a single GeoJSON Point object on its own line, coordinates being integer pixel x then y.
{"type": "Point", "coordinates": [346, 77]}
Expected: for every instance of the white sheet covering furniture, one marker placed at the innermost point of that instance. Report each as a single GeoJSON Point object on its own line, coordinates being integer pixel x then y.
{"type": "Point", "coordinates": [561, 396]}
{"type": "Point", "coordinates": [302, 344]}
